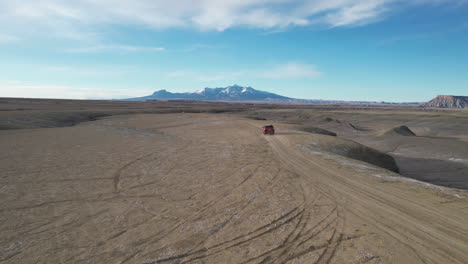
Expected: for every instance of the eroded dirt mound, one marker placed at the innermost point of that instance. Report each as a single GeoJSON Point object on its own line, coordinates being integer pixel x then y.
{"type": "Point", "coordinates": [317, 130]}
{"type": "Point", "coordinates": [354, 150]}
{"type": "Point", "coordinates": [24, 113]}
{"type": "Point", "coordinates": [401, 130]}
{"type": "Point", "coordinates": [52, 119]}
{"type": "Point", "coordinates": [329, 119]}
{"type": "Point", "coordinates": [372, 156]}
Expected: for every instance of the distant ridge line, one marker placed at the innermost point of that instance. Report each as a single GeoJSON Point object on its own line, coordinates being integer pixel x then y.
{"type": "Point", "coordinates": [237, 93]}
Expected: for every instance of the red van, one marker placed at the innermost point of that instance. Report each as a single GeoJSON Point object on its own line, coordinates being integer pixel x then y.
{"type": "Point", "coordinates": [268, 130]}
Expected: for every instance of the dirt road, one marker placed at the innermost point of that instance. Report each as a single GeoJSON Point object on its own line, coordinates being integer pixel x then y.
{"type": "Point", "coordinates": [192, 188]}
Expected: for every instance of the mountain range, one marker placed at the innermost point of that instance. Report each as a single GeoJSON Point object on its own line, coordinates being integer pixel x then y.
{"type": "Point", "coordinates": [237, 93]}
{"type": "Point", "coordinates": [230, 93]}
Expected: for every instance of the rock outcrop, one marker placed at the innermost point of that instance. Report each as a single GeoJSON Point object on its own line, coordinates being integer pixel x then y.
{"type": "Point", "coordinates": [448, 101]}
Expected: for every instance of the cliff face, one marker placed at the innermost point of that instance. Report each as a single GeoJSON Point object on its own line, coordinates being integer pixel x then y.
{"type": "Point", "coordinates": [448, 101]}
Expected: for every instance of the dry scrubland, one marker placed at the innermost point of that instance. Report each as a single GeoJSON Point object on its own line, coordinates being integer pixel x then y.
{"type": "Point", "coordinates": [180, 182]}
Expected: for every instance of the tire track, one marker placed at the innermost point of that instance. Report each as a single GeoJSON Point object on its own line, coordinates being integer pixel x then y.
{"type": "Point", "coordinates": [118, 173]}
{"type": "Point", "coordinates": [299, 236]}
{"type": "Point", "coordinates": [268, 228]}
{"type": "Point", "coordinates": [388, 203]}
{"type": "Point", "coordinates": [204, 250]}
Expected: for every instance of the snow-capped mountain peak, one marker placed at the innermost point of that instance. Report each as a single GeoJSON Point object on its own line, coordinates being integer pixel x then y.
{"type": "Point", "coordinates": [199, 91]}
{"type": "Point", "coordinates": [236, 89]}
{"type": "Point", "coordinates": [230, 93]}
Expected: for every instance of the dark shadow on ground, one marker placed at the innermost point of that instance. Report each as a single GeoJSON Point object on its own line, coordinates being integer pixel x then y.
{"type": "Point", "coordinates": [446, 173]}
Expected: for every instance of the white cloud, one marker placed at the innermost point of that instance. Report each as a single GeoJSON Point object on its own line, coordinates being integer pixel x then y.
{"type": "Point", "coordinates": [86, 71]}
{"type": "Point", "coordinates": [9, 82]}
{"type": "Point", "coordinates": [198, 46]}
{"type": "Point", "coordinates": [204, 77]}
{"type": "Point", "coordinates": [289, 70]}
{"type": "Point", "coordinates": [18, 89]}
{"type": "Point", "coordinates": [110, 48]}
{"type": "Point", "coordinates": [360, 13]}
{"type": "Point", "coordinates": [8, 38]}
{"type": "Point", "coordinates": [83, 16]}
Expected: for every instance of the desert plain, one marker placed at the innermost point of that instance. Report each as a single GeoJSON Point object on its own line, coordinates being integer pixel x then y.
{"type": "Point", "coordinates": [192, 182]}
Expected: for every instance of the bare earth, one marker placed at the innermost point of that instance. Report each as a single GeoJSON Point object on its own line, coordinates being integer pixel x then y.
{"type": "Point", "coordinates": [210, 188]}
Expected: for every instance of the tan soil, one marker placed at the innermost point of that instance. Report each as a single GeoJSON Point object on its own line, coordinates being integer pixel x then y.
{"type": "Point", "coordinates": [206, 188]}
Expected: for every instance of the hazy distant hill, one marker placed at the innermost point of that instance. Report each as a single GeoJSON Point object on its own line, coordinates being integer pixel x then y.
{"type": "Point", "coordinates": [448, 101]}
{"type": "Point", "coordinates": [230, 93]}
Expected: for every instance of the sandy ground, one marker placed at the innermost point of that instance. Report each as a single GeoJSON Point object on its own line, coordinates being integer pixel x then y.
{"type": "Point", "coordinates": [210, 188]}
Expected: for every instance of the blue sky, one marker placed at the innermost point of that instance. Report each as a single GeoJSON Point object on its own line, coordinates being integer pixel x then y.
{"type": "Point", "coordinates": [380, 50]}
